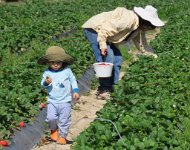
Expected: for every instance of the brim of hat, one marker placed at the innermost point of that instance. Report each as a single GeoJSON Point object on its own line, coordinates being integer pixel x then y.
{"type": "Point", "coordinates": [45, 59]}
{"type": "Point", "coordinates": [154, 21]}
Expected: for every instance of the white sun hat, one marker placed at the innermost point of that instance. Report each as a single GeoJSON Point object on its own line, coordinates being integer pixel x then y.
{"type": "Point", "coordinates": [149, 13]}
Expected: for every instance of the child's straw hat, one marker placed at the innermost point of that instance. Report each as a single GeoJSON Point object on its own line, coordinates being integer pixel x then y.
{"type": "Point", "coordinates": [55, 53]}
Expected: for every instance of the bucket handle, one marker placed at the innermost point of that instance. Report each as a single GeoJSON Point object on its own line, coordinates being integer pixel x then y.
{"type": "Point", "coordinates": [103, 58]}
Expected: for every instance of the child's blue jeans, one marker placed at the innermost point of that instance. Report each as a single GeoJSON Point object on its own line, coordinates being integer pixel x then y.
{"type": "Point", "coordinates": [113, 56]}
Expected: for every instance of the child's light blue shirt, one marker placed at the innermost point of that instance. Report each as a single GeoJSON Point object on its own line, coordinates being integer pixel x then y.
{"type": "Point", "coordinates": [63, 82]}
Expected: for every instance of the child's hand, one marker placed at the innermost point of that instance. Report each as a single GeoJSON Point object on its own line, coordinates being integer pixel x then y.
{"type": "Point", "coordinates": [48, 80]}
{"type": "Point", "coordinates": [76, 96]}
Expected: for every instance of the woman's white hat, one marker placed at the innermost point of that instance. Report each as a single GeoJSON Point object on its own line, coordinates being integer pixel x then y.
{"type": "Point", "coordinates": [149, 13]}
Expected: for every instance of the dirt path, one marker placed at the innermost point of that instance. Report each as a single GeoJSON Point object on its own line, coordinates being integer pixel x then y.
{"type": "Point", "coordinates": [86, 108]}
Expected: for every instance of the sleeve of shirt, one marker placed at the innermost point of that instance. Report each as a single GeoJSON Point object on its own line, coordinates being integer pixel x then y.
{"type": "Point", "coordinates": [107, 29]}
{"type": "Point", "coordinates": [141, 43]}
{"type": "Point", "coordinates": [73, 81]}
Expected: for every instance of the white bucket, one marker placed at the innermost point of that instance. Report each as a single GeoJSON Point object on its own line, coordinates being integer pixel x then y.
{"type": "Point", "coordinates": [103, 69]}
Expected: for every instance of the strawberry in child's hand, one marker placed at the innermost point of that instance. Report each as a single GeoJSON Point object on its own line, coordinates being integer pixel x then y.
{"type": "Point", "coordinates": [4, 143]}
{"type": "Point", "coordinates": [22, 124]}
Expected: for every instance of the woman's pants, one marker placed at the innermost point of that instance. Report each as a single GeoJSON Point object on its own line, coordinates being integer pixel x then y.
{"type": "Point", "coordinates": [113, 56]}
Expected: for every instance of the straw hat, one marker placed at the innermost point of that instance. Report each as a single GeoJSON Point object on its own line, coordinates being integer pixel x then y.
{"type": "Point", "coordinates": [149, 13]}
{"type": "Point", "coordinates": [55, 53]}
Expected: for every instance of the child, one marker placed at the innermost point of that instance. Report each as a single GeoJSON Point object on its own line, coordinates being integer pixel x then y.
{"type": "Point", "coordinates": [60, 83]}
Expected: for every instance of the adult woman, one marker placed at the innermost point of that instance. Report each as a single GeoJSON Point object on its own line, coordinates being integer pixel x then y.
{"type": "Point", "coordinates": [105, 30]}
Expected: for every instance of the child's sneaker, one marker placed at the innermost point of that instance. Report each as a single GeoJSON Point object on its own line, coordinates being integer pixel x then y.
{"type": "Point", "coordinates": [54, 135]}
{"type": "Point", "coordinates": [62, 141]}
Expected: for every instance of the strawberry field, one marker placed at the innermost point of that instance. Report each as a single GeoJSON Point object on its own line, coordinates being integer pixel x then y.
{"type": "Point", "coordinates": [150, 106]}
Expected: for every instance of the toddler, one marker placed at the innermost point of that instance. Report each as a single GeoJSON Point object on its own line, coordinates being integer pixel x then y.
{"type": "Point", "coordinates": [62, 87]}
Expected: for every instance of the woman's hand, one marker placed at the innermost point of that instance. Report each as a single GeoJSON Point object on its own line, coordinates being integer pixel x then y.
{"type": "Point", "coordinates": [103, 52]}
{"type": "Point", "coordinates": [76, 96]}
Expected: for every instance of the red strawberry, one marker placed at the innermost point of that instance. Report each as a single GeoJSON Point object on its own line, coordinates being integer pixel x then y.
{"type": "Point", "coordinates": [43, 105]}
{"type": "Point", "coordinates": [22, 124]}
{"type": "Point", "coordinates": [4, 143]}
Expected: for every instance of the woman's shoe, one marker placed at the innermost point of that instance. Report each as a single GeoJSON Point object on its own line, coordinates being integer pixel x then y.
{"type": "Point", "coordinates": [103, 95]}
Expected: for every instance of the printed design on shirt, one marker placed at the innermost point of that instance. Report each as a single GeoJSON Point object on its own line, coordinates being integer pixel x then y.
{"type": "Point", "coordinates": [61, 85]}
